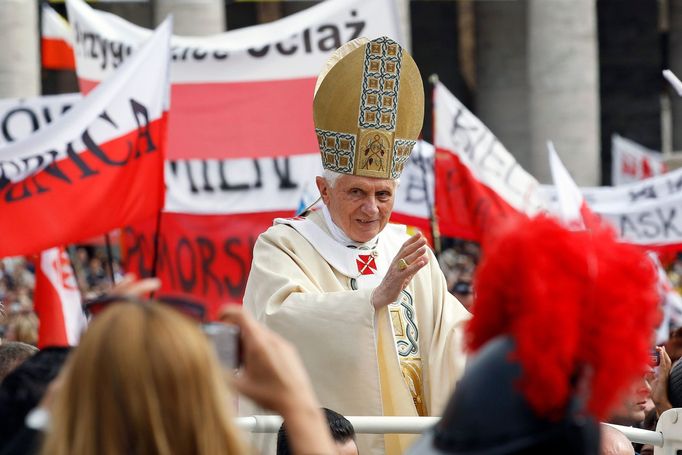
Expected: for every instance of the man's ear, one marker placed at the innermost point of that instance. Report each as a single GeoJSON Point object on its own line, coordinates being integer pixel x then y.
{"type": "Point", "coordinates": [324, 189]}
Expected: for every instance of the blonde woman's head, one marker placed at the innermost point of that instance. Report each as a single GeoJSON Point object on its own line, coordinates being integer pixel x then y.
{"type": "Point", "coordinates": [143, 380]}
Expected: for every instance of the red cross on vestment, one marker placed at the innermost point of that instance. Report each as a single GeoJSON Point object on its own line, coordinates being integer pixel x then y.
{"type": "Point", "coordinates": [366, 264]}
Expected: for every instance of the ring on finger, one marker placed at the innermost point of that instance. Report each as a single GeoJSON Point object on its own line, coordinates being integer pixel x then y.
{"type": "Point", "coordinates": [402, 264]}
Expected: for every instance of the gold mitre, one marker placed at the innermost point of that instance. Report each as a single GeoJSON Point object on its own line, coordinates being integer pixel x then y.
{"type": "Point", "coordinates": [368, 109]}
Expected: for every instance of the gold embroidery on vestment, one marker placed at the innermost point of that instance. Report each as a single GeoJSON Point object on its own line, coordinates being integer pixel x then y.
{"type": "Point", "coordinates": [406, 336]}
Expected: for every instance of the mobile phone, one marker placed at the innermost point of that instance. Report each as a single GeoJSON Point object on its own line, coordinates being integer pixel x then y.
{"type": "Point", "coordinates": [226, 341]}
{"type": "Point", "coordinates": [655, 357]}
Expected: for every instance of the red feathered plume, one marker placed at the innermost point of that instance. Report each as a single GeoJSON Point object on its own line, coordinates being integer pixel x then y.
{"type": "Point", "coordinates": [575, 302]}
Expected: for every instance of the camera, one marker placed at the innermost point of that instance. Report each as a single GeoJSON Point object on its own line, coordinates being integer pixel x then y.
{"type": "Point", "coordinates": [226, 341]}
{"type": "Point", "coordinates": [655, 358]}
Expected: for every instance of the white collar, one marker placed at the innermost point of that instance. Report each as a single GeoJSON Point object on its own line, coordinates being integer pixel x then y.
{"type": "Point", "coordinates": [345, 259]}
{"type": "Point", "coordinates": [340, 236]}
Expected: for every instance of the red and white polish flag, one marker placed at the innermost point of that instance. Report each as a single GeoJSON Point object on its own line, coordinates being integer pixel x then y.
{"type": "Point", "coordinates": [632, 162]}
{"type": "Point", "coordinates": [96, 168]}
{"type": "Point", "coordinates": [478, 182]}
{"type": "Point", "coordinates": [55, 42]}
{"type": "Point", "coordinates": [57, 300]}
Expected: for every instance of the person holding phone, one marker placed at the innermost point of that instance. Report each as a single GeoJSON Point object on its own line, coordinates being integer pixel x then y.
{"type": "Point", "coordinates": [144, 379]}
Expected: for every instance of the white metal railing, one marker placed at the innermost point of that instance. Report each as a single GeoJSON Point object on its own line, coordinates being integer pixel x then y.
{"type": "Point", "coordinates": [641, 436]}
{"type": "Point", "coordinates": [667, 439]}
{"type": "Point", "coordinates": [361, 424]}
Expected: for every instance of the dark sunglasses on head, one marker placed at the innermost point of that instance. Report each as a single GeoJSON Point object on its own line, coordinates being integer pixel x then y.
{"type": "Point", "coordinates": [193, 310]}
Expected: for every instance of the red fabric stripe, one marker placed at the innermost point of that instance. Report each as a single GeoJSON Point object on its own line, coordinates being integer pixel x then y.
{"type": "Point", "coordinates": [48, 308]}
{"type": "Point", "coordinates": [57, 55]}
{"type": "Point", "coordinates": [50, 211]}
{"type": "Point", "coordinates": [239, 119]}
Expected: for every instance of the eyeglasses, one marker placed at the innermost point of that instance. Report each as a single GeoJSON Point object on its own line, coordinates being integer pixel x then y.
{"type": "Point", "coordinates": [193, 310]}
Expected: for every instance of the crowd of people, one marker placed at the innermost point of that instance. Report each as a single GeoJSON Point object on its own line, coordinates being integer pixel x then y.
{"type": "Point", "coordinates": [160, 389]}
{"type": "Point", "coordinates": [18, 321]}
{"type": "Point", "coordinates": [29, 388]}
{"type": "Point", "coordinates": [157, 389]}
{"type": "Point", "coordinates": [93, 265]}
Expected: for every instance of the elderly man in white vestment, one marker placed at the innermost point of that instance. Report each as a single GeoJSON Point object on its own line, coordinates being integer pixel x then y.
{"type": "Point", "coordinates": [366, 305]}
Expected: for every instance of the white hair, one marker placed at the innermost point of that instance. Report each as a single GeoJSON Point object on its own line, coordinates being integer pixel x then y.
{"type": "Point", "coordinates": [331, 177]}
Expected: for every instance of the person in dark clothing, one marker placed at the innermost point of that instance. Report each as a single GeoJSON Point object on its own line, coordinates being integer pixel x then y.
{"type": "Point", "coordinates": [20, 392]}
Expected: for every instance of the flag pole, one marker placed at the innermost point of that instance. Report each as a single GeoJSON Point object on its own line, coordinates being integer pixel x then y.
{"type": "Point", "coordinates": [71, 252]}
{"type": "Point", "coordinates": [431, 205]}
{"type": "Point", "coordinates": [110, 258]}
{"type": "Point", "coordinates": [155, 253]}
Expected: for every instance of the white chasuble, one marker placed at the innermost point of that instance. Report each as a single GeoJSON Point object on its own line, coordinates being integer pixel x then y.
{"type": "Point", "coordinates": [315, 291]}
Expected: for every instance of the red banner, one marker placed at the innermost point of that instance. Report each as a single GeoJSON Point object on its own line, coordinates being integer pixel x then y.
{"type": "Point", "coordinates": [204, 258]}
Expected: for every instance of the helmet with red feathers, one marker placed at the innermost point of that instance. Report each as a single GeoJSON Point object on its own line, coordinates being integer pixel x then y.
{"type": "Point", "coordinates": [562, 325]}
